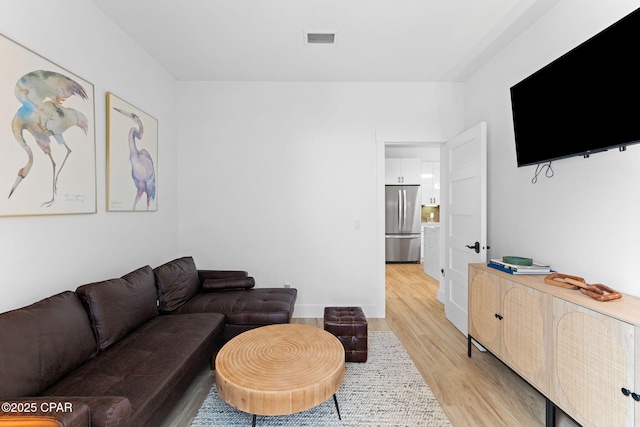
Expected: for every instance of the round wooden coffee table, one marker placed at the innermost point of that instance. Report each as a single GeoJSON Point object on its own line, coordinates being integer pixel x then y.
{"type": "Point", "coordinates": [280, 369]}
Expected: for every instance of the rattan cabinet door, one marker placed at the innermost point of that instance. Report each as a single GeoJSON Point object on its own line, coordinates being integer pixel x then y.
{"type": "Point", "coordinates": [484, 310]}
{"type": "Point", "coordinates": [593, 361]}
{"type": "Point", "coordinates": [524, 331]}
{"type": "Point", "coordinates": [637, 376]}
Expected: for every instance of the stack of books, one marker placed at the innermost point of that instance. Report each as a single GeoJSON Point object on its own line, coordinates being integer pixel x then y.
{"type": "Point", "coordinates": [534, 268]}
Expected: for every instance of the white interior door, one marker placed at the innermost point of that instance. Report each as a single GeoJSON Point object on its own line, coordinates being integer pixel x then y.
{"type": "Point", "coordinates": [464, 201]}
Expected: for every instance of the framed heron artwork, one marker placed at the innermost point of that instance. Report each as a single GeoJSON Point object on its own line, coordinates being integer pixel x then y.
{"type": "Point", "coordinates": [47, 136]}
{"type": "Point", "coordinates": [132, 157]}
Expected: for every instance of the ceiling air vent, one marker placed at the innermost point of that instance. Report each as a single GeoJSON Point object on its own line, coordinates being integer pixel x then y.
{"type": "Point", "coordinates": [317, 37]}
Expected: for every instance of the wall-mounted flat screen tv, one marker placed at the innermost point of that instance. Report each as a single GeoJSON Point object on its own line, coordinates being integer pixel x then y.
{"type": "Point", "coordinates": [586, 101]}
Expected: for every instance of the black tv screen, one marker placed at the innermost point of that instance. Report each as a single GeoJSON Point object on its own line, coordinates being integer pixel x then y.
{"type": "Point", "coordinates": [586, 101]}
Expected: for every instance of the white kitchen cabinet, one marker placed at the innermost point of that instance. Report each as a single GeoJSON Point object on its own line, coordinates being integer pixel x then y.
{"type": "Point", "coordinates": [431, 249]}
{"type": "Point", "coordinates": [430, 181]}
{"type": "Point", "coordinates": [402, 171]}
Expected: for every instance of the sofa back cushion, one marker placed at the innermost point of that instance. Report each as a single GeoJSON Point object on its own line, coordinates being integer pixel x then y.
{"type": "Point", "coordinates": [118, 306]}
{"type": "Point", "coordinates": [43, 342]}
{"type": "Point", "coordinates": [177, 282]}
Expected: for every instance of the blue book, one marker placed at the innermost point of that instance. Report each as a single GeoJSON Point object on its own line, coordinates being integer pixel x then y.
{"type": "Point", "coordinates": [515, 271]}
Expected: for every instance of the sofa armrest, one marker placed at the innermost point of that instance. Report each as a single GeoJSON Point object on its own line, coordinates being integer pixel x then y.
{"type": "Point", "coordinates": [212, 285]}
{"type": "Point", "coordinates": [220, 274]}
{"type": "Point", "coordinates": [44, 412]}
{"type": "Point", "coordinates": [69, 411]}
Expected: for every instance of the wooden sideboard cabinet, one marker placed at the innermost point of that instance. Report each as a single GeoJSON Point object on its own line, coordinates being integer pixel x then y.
{"type": "Point", "coordinates": [578, 352]}
{"type": "Point", "coordinates": [510, 320]}
{"type": "Point", "coordinates": [594, 361]}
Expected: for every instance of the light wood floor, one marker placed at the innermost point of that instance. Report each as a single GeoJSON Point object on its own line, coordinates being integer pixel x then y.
{"type": "Point", "coordinates": [476, 391]}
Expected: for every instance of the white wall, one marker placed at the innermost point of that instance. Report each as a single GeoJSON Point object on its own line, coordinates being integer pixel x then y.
{"type": "Point", "coordinates": [42, 255]}
{"type": "Point", "coordinates": [274, 177]}
{"type": "Point", "coordinates": [583, 221]}
{"type": "Point", "coordinates": [426, 152]}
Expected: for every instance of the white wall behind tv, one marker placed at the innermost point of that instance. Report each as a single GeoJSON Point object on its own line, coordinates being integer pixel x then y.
{"type": "Point", "coordinates": [584, 220]}
{"type": "Point", "coordinates": [43, 255]}
{"type": "Point", "coordinates": [274, 177]}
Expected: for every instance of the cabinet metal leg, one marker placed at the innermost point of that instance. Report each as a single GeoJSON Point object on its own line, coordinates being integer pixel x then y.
{"type": "Point", "coordinates": [469, 345]}
{"type": "Point", "coordinates": [550, 414]}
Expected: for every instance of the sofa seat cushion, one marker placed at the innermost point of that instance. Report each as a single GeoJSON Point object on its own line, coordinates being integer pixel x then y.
{"type": "Point", "coordinates": [156, 360]}
{"type": "Point", "coordinates": [257, 306]}
{"type": "Point", "coordinates": [43, 342]}
{"type": "Point", "coordinates": [118, 306]}
{"type": "Point", "coordinates": [177, 282]}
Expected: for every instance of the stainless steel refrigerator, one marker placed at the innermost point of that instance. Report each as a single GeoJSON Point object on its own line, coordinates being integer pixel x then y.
{"type": "Point", "coordinates": [402, 223]}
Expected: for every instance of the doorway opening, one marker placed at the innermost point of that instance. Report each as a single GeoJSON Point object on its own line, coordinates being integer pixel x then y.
{"type": "Point", "coordinates": [423, 144]}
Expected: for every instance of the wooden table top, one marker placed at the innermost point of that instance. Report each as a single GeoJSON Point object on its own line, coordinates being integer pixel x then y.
{"type": "Point", "coordinates": [279, 369]}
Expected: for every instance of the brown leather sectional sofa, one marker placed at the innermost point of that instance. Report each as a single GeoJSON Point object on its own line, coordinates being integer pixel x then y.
{"type": "Point", "coordinates": [122, 352]}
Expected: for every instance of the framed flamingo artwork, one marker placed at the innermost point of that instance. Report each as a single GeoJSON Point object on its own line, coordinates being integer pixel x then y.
{"type": "Point", "coordinates": [132, 157]}
{"type": "Point", "coordinates": [47, 136]}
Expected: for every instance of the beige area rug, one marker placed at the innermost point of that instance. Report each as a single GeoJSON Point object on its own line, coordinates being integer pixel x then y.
{"type": "Point", "coordinates": [385, 391]}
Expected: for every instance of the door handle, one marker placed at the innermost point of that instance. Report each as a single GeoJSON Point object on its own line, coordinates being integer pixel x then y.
{"type": "Point", "coordinates": [400, 210]}
{"type": "Point", "coordinates": [404, 209]}
{"type": "Point", "coordinates": [476, 247]}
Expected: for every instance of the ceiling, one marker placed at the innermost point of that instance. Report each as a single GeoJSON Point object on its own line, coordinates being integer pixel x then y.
{"type": "Point", "coordinates": [376, 40]}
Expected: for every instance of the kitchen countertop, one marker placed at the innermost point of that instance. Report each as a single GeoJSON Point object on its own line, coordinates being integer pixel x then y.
{"type": "Point", "coordinates": [430, 224]}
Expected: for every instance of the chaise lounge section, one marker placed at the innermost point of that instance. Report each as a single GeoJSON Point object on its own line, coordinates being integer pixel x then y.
{"type": "Point", "coordinates": [182, 290]}
{"type": "Point", "coordinates": [122, 352]}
